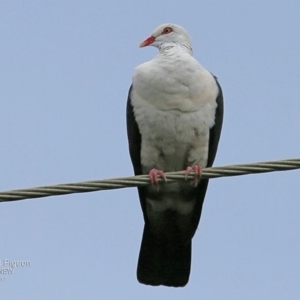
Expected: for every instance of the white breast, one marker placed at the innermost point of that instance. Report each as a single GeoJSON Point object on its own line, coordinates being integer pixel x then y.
{"type": "Point", "coordinates": [174, 106]}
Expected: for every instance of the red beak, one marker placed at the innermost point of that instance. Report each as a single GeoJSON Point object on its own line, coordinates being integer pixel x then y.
{"type": "Point", "coordinates": [147, 42]}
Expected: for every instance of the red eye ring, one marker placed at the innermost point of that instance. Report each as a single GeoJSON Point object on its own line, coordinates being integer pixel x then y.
{"type": "Point", "coordinates": [167, 30]}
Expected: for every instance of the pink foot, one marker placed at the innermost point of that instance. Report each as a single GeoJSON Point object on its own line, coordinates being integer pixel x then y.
{"type": "Point", "coordinates": [153, 174]}
{"type": "Point", "coordinates": [197, 172]}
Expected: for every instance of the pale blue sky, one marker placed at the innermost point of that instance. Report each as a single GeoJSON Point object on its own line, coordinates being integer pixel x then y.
{"type": "Point", "coordinates": [66, 67]}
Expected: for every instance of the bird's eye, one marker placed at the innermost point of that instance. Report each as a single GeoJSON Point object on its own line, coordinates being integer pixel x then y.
{"type": "Point", "coordinates": [167, 30]}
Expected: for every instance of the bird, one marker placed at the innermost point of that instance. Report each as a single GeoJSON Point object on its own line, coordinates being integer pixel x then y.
{"type": "Point", "coordinates": [174, 118]}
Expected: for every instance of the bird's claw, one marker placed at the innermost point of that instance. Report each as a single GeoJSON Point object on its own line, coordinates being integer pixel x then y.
{"type": "Point", "coordinates": [197, 173]}
{"type": "Point", "coordinates": [154, 174]}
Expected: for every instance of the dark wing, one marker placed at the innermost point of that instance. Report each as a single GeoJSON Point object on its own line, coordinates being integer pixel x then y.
{"type": "Point", "coordinates": [134, 142]}
{"type": "Point", "coordinates": [214, 137]}
{"type": "Point", "coordinates": [134, 137]}
{"type": "Point", "coordinates": [215, 131]}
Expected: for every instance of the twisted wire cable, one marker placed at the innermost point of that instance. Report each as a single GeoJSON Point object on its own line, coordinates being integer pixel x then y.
{"type": "Point", "coordinates": [117, 183]}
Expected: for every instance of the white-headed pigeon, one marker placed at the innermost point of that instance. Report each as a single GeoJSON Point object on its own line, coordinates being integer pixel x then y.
{"type": "Point", "coordinates": [174, 120]}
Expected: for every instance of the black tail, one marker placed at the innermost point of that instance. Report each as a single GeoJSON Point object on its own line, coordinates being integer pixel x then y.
{"type": "Point", "coordinates": [163, 262]}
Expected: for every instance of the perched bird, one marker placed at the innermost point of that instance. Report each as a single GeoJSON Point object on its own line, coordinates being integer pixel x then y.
{"type": "Point", "coordinates": [174, 120]}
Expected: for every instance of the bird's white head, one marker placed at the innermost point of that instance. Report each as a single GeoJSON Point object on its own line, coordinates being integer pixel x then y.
{"type": "Point", "coordinates": [167, 34]}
